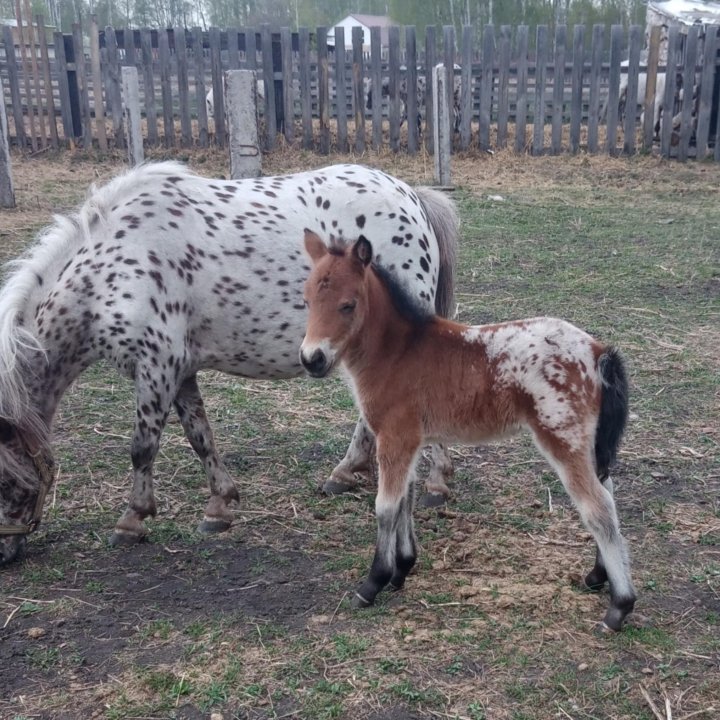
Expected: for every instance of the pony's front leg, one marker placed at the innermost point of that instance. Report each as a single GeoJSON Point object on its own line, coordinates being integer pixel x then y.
{"type": "Point", "coordinates": [191, 411]}
{"type": "Point", "coordinates": [358, 459]}
{"type": "Point", "coordinates": [153, 407]}
{"type": "Point", "coordinates": [395, 549]}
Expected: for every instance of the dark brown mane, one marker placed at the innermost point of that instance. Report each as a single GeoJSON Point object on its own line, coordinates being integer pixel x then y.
{"type": "Point", "coordinates": [406, 304]}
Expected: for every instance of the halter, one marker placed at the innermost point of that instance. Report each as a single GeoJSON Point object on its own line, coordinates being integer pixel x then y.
{"type": "Point", "coordinates": [46, 480]}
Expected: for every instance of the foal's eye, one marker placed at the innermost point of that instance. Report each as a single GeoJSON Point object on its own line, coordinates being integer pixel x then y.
{"type": "Point", "coordinates": [348, 307]}
{"type": "Point", "coordinates": [6, 431]}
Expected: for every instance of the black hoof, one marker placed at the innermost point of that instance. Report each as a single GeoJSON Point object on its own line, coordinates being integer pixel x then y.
{"type": "Point", "coordinates": [358, 602]}
{"type": "Point", "coordinates": [337, 487]}
{"type": "Point", "coordinates": [602, 629]}
{"type": "Point", "coordinates": [431, 500]}
{"type": "Point", "coordinates": [123, 538]}
{"type": "Point", "coordinates": [210, 526]}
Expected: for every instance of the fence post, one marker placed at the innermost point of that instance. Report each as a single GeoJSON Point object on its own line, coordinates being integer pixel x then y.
{"type": "Point", "coordinates": [442, 75]}
{"type": "Point", "coordinates": [7, 193]}
{"type": "Point", "coordinates": [241, 103]}
{"type": "Point", "coordinates": [15, 101]}
{"type": "Point", "coordinates": [131, 106]}
{"type": "Point", "coordinates": [358, 85]}
{"type": "Point", "coordinates": [97, 83]}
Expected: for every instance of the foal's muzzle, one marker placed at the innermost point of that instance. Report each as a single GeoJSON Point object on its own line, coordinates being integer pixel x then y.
{"type": "Point", "coordinates": [316, 363]}
{"type": "Point", "coordinates": [12, 548]}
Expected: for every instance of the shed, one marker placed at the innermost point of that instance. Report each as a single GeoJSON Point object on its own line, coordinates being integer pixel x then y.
{"type": "Point", "coordinates": [365, 22]}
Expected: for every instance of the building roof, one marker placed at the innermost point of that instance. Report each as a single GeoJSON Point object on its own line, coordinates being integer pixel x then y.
{"type": "Point", "coordinates": [688, 12]}
{"type": "Point", "coordinates": [382, 21]}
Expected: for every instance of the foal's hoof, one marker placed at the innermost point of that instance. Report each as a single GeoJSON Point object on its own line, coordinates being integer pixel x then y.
{"type": "Point", "coordinates": [210, 526]}
{"type": "Point", "coordinates": [124, 538]}
{"type": "Point", "coordinates": [358, 602]}
{"type": "Point", "coordinates": [432, 499]}
{"type": "Point", "coordinates": [602, 629]}
{"type": "Point", "coordinates": [338, 487]}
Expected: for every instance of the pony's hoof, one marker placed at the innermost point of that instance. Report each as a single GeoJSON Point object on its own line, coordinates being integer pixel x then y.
{"type": "Point", "coordinates": [358, 602]}
{"type": "Point", "coordinates": [594, 581]}
{"type": "Point", "coordinates": [432, 500]}
{"type": "Point", "coordinates": [124, 538]}
{"type": "Point", "coordinates": [210, 526]}
{"type": "Point", "coordinates": [604, 630]}
{"type": "Point", "coordinates": [337, 487]}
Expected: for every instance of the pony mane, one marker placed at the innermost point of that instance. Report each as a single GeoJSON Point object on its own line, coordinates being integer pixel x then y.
{"type": "Point", "coordinates": [19, 345]}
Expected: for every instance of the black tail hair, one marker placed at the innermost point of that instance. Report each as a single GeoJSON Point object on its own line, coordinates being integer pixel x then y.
{"type": "Point", "coordinates": [613, 410]}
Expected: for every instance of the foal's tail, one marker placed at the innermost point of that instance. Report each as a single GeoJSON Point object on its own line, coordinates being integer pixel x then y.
{"type": "Point", "coordinates": [445, 223]}
{"type": "Point", "coordinates": [613, 410]}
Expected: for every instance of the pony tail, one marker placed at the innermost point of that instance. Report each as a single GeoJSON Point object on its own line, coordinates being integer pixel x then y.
{"type": "Point", "coordinates": [613, 410]}
{"type": "Point", "coordinates": [444, 220]}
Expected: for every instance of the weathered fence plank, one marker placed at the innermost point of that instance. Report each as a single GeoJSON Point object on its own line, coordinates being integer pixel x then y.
{"type": "Point", "coordinates": [442, 75]}
{"type": "Point", "coordinates": [521, 102]}
{"type": "Point", "coordinates": [149, 85]}
{"type": "Point", "coordinates": [82, 81]}
{"type": "Point", "coordinates": [376, 86]}
{"type": "Point", "coordinates": [288, 89]}
{"type": "Point", "coordinates": [503, 114]}
{"type": "Point", "coordinates": [358, 86]}
{"type": "Point", "coordinates": [630, 124]}
{"type": "Point", "coordinates": [131, 104]}
{"type": "Point", "coordinates": [449, 61]}
{"type": "Point", "coordinates": [394, 86]}
{"type": "Point", "coordinates": [47, 81]}
{"type": "Point", "coordinates": [305, 87]}
{"type": "Point", "coordinates": [466, 95]}
{"type": "Point", "coordinates": [486, 87]}
{"type": "Point", "coordinates": [323, 91]}
{"type": "Point", "coordinates": [576, 92]}
{"type": "Point", "coordinates": [686, 123]}
{"type": "Point", "coordinates": [7, 191]}
{"type": "Point", "coordinates": [64, 88]}
{"type": "Point", "coordinates": [598, 39]}
{"type": "Point", "coordinates": [97, 84]}
{"type": "Point", "coordinates": [413, 130]}
{"type": "Point", "coordinates": [558, 102]}
{"type": "Point", "coordinates": [233, 49]}
{"type": "Point", "coordinates": [541, 44]}
{"type": "Point", "coordinates": [26, 74]}
{"type": "Point", "coordinates": [183, 83]}
{"type": "Point", "coordinates": [707, 79]}
{"type": "Point", "coordinates": [15, 100]}
{"type": "Point", "coordinates": [218, 85]}
{"type": "Point", "coordinates": [430, 62]}
{"type": "Point", "coordinates": [613, 99]}
{"type": "Point", "coordinates": [113, 89]}
{"type": "Point", "coordinates": [648, 129]}
{"type": "Point", "coordinates": [36, 75]}
{"type": "Point", "coordinates": [268, 79]}
{"type": "Point", "coordinates": [166, 89]}
{"type": "Point", "coordinates": [340, 90]}
{"type": "Point", "coordinates": [200, 92]}
{"type": "Point", "coordinates": [666, 126]}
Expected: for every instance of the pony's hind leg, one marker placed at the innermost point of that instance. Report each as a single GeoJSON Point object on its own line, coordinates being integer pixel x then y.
{"type": "Point", "coordinates": [597, 577]}
{"type": "Point", "coordinates": [396, 458]}
{"type": "Point", "coordinates": [153, 401]}
{"type": "Point", "coordinates": [441, 469]}
{"type": "Point", "coordinates": [191, 411]}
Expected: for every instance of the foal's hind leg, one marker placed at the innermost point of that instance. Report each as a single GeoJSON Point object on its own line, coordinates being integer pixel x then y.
{"type": "Point", "coordinates": [598, 576]}
{"type": "Point", "coordinates": [191, 411]}
{"type": "Point", "coordinates": [441, 469]}
{"type": "Point", "coordinates": [597, 510]}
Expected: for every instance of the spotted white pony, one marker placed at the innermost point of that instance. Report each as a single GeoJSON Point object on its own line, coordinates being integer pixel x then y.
{"type": "Point", "coordinates": [163, 273]}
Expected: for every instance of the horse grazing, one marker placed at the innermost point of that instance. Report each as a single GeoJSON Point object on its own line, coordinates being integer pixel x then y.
{"type": "Point", "coordinates": [542, 374]}
{"type": "Point", "coordinates": [163, 273]}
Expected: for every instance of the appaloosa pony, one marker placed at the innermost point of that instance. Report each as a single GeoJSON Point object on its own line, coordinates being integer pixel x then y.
{"type": "Point", "coordinates": [163, 273]}
{"type": "Point", "coordinates": [542, 374]}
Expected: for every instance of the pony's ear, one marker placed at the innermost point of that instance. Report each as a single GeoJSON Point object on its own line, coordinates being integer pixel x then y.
{"type": "Point", "coordinates": [314, 246]}
{"type": "Point", "coordinates": [362, 250]}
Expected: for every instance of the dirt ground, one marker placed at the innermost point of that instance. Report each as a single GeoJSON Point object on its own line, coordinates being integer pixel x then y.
{"type": "Point", "coordinates": [255, 623]}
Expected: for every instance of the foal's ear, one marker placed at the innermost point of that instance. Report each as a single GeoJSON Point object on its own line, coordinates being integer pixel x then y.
{"type": "Point", "coordinates": [362, 250]}
{"type": "Point", "coordinates": [314, 246]}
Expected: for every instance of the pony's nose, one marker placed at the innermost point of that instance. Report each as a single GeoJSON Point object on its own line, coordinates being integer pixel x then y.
{"type": "Point", "coordinates": [12, 548]}
{"type": "Point", "coordinates": [316, 364]}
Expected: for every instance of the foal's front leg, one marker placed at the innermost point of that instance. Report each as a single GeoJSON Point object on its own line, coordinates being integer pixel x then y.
{"type": "Point", "coordinates": [395, 550]}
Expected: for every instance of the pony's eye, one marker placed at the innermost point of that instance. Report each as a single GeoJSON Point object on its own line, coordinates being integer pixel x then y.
{"type": "Point", "coordinates": [7, 431]}
{"type": "Point", "coordinates": [348, 307]}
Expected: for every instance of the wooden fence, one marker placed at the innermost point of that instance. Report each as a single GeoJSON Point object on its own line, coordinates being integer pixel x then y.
{"type": "Point", "coordinates": [564, 94]}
